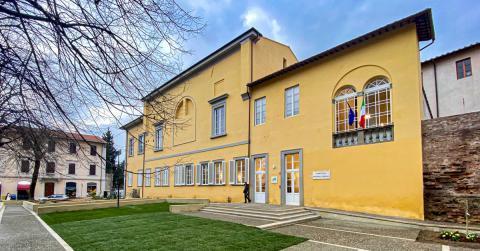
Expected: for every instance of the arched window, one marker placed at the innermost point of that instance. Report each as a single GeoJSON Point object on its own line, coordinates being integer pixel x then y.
{"type": "Point", "coordinates": [345, 103]}
{"type": "Point", "coordinates": [378, 107]}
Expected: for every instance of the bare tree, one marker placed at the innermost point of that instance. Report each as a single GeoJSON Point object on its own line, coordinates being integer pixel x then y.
{"type": "Point", "coordinates": [66, 63]}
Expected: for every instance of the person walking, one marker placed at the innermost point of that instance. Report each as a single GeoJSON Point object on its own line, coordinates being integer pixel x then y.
{"type": "Point", "coordinates": [246, 192]}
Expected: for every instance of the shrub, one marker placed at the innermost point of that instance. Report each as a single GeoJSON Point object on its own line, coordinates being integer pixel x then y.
{"type": "Point", "coordinates": [446, 235]}
{"type": "Point", "coordinates": [471, 237]}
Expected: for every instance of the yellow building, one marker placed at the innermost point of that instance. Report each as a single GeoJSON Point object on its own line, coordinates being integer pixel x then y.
{"type": "Point", "coordinates": [295, 131]}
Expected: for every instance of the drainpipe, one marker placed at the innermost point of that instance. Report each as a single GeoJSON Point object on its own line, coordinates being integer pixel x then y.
{"type": "Point", "coordinates": [436, 87]}
{"type": "Point", "coordinates": [124, 168]}
{"type": "Point", "coordinates": [143, 163]}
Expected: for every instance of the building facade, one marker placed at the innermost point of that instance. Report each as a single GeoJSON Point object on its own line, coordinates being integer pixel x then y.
{"type": "Point", "coordinates": [338, 130]}
{"type": "Point", "coordinates": [451, 83]}
{"type": "Point", "coordinates": [74, 166]}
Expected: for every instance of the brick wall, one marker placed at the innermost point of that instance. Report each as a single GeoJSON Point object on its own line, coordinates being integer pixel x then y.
{"type": "Point", "coordinates": [451, 167]}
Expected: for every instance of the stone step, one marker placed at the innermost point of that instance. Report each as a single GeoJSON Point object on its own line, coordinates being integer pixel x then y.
{"type": "Point", "coordinates": [276, 211]}
{"type": "Point", "coordinates": [257, 214]}
{"type": "Point", "coordinates": [257, 211]}
{"type": "Point", "coordinates": [289, 222]}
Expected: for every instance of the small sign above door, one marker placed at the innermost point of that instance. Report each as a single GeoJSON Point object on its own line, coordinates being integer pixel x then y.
{"type": "Point", "coordinates": [321, 175]}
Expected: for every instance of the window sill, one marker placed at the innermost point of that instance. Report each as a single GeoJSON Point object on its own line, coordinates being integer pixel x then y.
{"type": "Point", "coordinates": [218, 136]}
{"type": "Point", "coordinates": [139, 153]}
{"type": "Point", "coordinates": [158, 150]}
{"type": "Point", "coordinates": [292, 116]}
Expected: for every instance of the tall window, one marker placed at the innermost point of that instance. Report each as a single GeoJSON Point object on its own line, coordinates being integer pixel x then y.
{"type": "Point", "coordinates": [51, 146]}
{"type": "Point", "coordinates": [73, 147]}
{"type": "Point", "coordinates": [189, 174]}
{"type": "Point", "coordinates": [218, 119]}
{"type": "Point", "coordinates": [345, 110]}
{"type": "Point", "coordinates": [93, 170]}
{"type": "Point", "coordinates": [292, 101]}
{"type": "Point", "coordinates": [25, 167]}
{"type": "Point", "coordinates": [131, 144]}
{"type": "Point", "coordinates": [464, 68]}
{"type": "Point", "coordinates": [260, 110]}
{"type": "Point", "coordinates": [203, 174]}
{"type": "Point", "coordinates": [219, 169]}
{"type": "Point", "coordinates": [50, 167]}
{"type": "Point", "coordinates": [129, 179]}
{"type": "Point", "coordinates": [179, 175]}
{"type": "Point", "coordinates": [157, 176]}
{"type": "Point", "coordinates": [147, 177]}
{"type": "Point", "coordinates": [140, 177]}
{"type": "Point", "coordinates": [238, 171]}
{"type": "Point", "coordinates": [377, 103]}
{"type": "Point", "coordinates": [93, 150]}
{"type": "Point", "coordinates": [71, 168]}
{"type": "Point", "coordinates": [159, 137]}
{"type": "Point", "coordinates": [164, 176]}
{"type": "Point", "coordinates": [141, 143]}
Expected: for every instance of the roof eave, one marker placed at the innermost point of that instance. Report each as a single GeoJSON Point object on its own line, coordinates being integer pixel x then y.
{"type": "Point", "coordinates": [251, 33]}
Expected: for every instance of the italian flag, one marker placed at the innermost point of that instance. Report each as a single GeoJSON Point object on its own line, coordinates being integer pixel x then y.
{"type": "Point", "coordinates": [362, 114]}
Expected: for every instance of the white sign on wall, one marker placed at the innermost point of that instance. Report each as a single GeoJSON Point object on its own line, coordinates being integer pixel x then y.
{"type": "Point", "coordinates": [321, 175]}
{"type": "Point", "coordinates": [274, 179]}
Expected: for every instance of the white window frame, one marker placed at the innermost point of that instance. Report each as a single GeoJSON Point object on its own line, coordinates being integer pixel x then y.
{"type": "Point", "coordinates": [131, 145]}
{"type": "Point", "coordinates": [157, 176]}
{"type": "Point", "coordinates": [292, 101]}
{"type": "Point", "coordinates": [344, 99]}
{"type": "Point", "coordinates": [141, 143]}
{"type": "Point", "coordinates": [234, 168]}
{"type": "Point", "coordinates": [164, 177]}
{"type": "Point", "coordinates": [129, 179]}
{"type": "Point", "coordinates": [260, 111]}
{"type": "Point", "coordinates": [139, 178]}
{"type": "Point", "coordinates": [179, 175]}
{"type": "Point", "coordinates": [159, 137]}
{"type": "Point", "coordinates": [219, 172]}
{"type": "Point", "coordinates": [148, 177]}
{"type": "Point", "coordinates": [189, 174]}
{"type": "Point", "coordinates": [375, 88]}
{"type": "Point", "coordinates": [219, 122]}
{"type": "Point", "coordinates": [204, 173]}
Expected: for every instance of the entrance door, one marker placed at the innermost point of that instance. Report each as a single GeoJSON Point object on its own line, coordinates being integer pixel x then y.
{"type": "Point", "coordinates": [49, 189]}
{"type": "Point", "coordinates": [260, 179]}
{"type": "Point", "coordinates": [292, 174]}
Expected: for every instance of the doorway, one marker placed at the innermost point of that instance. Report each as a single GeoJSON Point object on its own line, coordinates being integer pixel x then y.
{"type": "Point", "coordinates": [292, 178]}
{"type": "Point", "coordinates": [261, 178]}
{"type": "Point", "coordinates": [49, 189]}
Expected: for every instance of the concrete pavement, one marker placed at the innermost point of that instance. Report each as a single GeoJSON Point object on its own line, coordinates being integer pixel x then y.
{"type": "Point", "coordinates": [20, 230]}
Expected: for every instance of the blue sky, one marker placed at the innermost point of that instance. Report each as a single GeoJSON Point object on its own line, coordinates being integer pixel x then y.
{"type": "Point", "coordinates": [310, 27]}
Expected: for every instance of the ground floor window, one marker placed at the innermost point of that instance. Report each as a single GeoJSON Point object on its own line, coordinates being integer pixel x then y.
{"type": "Point", "coordinates": [147, 177]}
{"type": "Point", "coordinates": [92, 188]}
{"type": "Point", "coordinates": [130, 179]}
{"type": "Point", "coordinates": [163, 176]}
{"type": "Point", "coordinates": [179, 175]}
{"type": "Point", "coordinates": [71, 189]}
{"type": "Point", "coordinates": [202, 174]}
{"type": "Point", "coordinates": [189, 174]}
{"type": "Point", "coordinates": [219, 169]}
{"type": "Point", "coordinates": [140, 177]}
{"type": "Point", "coordinates": [238, 171]}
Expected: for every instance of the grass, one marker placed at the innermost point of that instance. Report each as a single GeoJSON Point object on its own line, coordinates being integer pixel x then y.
{"type": "Point", "coordinates": [152, 227]}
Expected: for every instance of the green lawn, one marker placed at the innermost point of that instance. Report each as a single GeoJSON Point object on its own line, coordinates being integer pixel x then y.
{"type": "Point", "coordinates": [152, 227]}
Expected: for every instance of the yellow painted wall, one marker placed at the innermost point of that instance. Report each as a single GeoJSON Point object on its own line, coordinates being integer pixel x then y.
{"type": "Point", "coordinates": [228, 75]}
{"type": "Point", "coordinates": [382, 178]}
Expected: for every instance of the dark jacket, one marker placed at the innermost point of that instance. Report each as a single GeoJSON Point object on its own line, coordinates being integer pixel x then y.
{"type": "Point", "coordinates": [246, 188]}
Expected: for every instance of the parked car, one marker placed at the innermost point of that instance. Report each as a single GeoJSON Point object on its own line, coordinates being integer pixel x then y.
{"type": "Point", "coordinates": [54, 198]}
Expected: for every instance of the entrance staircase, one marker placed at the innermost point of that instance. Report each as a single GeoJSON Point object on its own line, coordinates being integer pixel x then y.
{"type": "Point", "coordinates": [278, 215]}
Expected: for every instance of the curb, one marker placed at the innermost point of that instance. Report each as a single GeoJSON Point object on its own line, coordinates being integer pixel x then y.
{"type": "Point", "coordinates": [330, 214]}
{"type": "Point", "coordinates": [2, 209]}
{"type": "Point", "coordinates": [51, 232]}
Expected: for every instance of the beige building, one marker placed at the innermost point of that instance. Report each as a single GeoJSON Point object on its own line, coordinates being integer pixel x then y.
{"type": "Point", "coordinates": [75, 166]}
{"type": "Point", "coordinates": [451, 83]}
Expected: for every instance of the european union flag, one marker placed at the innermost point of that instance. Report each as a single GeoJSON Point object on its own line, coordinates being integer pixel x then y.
{"type": "Point", "coordinates": [351, 115]}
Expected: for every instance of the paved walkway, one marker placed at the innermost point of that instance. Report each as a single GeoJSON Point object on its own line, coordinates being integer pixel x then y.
{"type": "Point", "coordinates": [20, 230]}
{"type": "Point", "coordinates": [335, 234]}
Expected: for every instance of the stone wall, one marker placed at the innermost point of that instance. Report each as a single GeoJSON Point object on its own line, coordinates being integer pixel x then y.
{"type": "Point", "coordinates": [451, 167]}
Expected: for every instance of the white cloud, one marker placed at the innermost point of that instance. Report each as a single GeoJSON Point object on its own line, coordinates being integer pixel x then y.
{"type": "Point", "coordinates": [207, 6]}
{"type": "Point", "coordinates": [264, 22]}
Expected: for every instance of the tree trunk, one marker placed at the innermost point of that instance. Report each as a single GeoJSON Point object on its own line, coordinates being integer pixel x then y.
{"type": "Point", "coordinates": [36, 169]}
